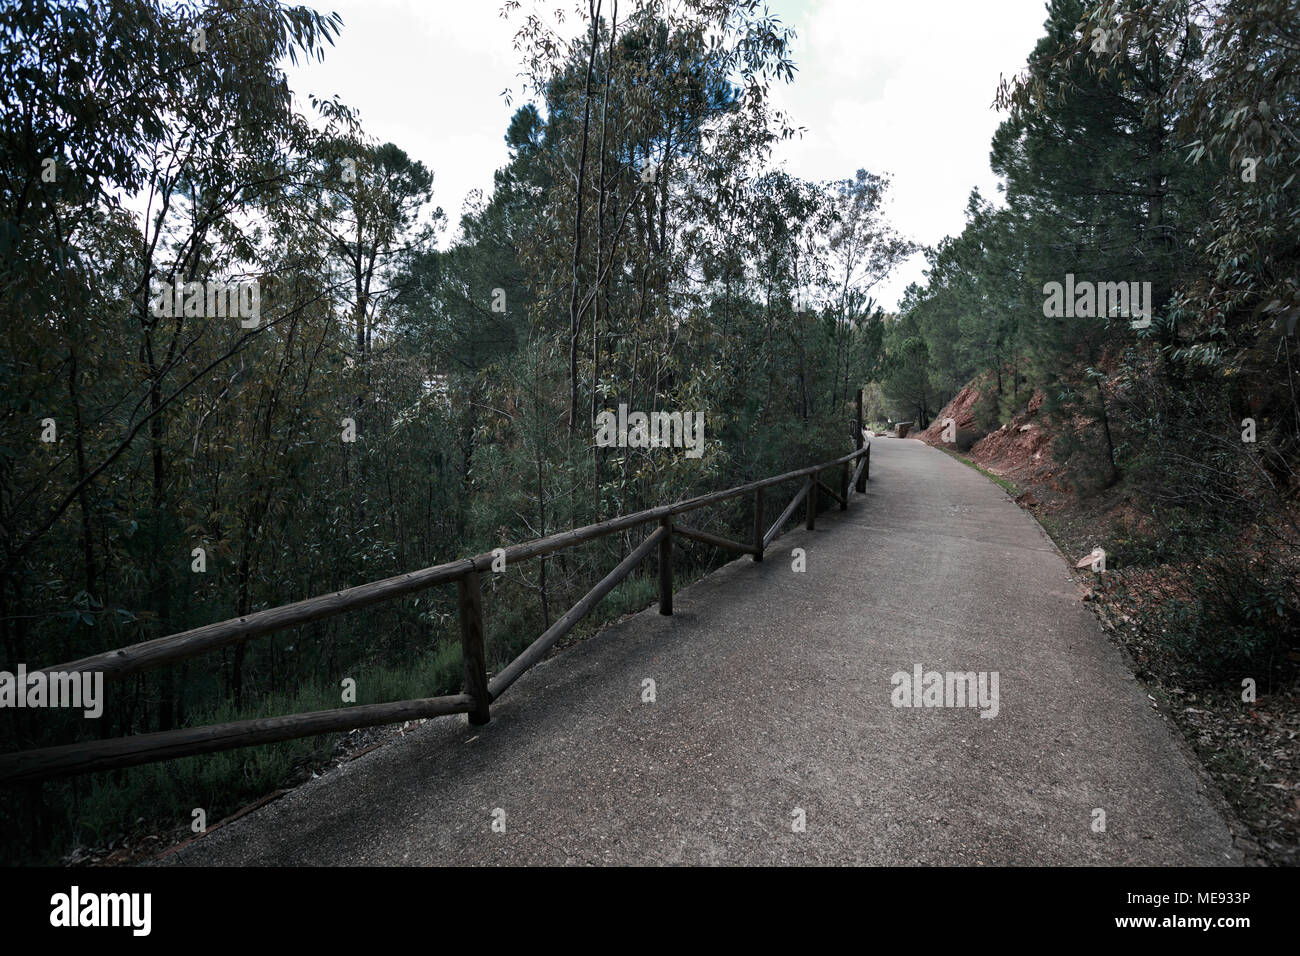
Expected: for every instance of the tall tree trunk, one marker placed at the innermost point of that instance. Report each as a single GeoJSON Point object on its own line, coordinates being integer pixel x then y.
{"type": "Point", "coordinates": [541, 531]}
{"type": "Point", "coordinates": [600, 252]}
{"type": "Point", "coordinates": [574, 312]}
{"type": "Point", "coordinates": [79, 444]}
{"type": "Point", "coordinates": [1110, 443]}
{"type": "Point", "coordinates": [160, 584]}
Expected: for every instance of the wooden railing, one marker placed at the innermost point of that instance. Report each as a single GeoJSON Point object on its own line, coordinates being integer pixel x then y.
{"type": "Point", "coordinates": [85, 757]}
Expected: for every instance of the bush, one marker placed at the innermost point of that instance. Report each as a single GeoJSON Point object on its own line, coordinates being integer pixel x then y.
{"type": "Point", "coordinates": [1235, 619]}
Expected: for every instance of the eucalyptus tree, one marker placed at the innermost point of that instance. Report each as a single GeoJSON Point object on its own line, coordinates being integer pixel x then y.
{"type": "Point", "coordinates": [652, 116]}
{"type": "Point", "coordinates": [862, 249]}
{"type": "Point", "coordinates": [139, 141]}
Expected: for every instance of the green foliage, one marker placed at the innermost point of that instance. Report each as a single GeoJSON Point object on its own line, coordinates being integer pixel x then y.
{"type": "Point", "coordinates": [470, 375]}
{"type": "Point", "coordinates": [1134, 547]}
{"type": "Point", "coordinates": [1239, 618]}
{"type": "Point", "coordinates": [1165, 153]}
{"type": "Point", "coordinates": [104, 807]}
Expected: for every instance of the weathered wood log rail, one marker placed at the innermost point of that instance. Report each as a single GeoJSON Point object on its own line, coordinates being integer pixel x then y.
{"type": "Point", "coordinates": [89, 756]}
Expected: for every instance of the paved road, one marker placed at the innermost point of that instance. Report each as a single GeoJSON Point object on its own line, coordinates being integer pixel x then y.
{"type": "Point", "coordinates": [774, 694]}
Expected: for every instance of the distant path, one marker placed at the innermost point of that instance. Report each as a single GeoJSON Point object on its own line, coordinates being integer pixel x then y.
{"type": "Point", "coordinates": [774, 693]}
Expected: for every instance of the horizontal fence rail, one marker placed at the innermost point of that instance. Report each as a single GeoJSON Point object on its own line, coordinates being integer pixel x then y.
{"type": "Point", "coordinates": [149, 748]}
{"type": "Point", "coordinates": [85, 757]}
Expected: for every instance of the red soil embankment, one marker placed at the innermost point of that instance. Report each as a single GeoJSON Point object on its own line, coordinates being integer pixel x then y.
{"type": "Point", "coordinates": [1019, 450]}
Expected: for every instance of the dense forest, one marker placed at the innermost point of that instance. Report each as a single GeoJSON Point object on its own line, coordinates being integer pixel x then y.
{"type": "Point", "coordinates": [382, 389]}
{"type": "Point", "coordinates": [366, 400]}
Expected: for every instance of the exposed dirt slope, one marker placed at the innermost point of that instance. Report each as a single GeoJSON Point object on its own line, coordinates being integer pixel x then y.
{"type": "Point", "coordinates": [1020, 450]}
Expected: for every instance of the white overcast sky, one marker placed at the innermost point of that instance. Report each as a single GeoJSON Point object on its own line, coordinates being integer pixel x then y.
{"type": "Point", "coordinates": [894, 86]}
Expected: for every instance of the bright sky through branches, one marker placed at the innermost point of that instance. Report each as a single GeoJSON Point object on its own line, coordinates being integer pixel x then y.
{"type": "Point", "coordinates": [896, 87]}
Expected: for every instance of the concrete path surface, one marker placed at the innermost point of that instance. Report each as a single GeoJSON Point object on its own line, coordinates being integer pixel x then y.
{"type": "Point", "coordinates": [773, 696]}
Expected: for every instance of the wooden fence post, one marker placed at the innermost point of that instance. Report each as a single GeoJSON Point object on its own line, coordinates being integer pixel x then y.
{"type": "Point", "coordinates": [866, 472]}
{"type": "Point", "coordinates": [470, 603]}
{"type": "Point", "coordinates": [810, 512]}
{"type": "Point", "coordinates": [666, 566]}
{"type": "Point", "coordinates": [758, 524]}
{"type": "Point", "coordinates": [844, 486]}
